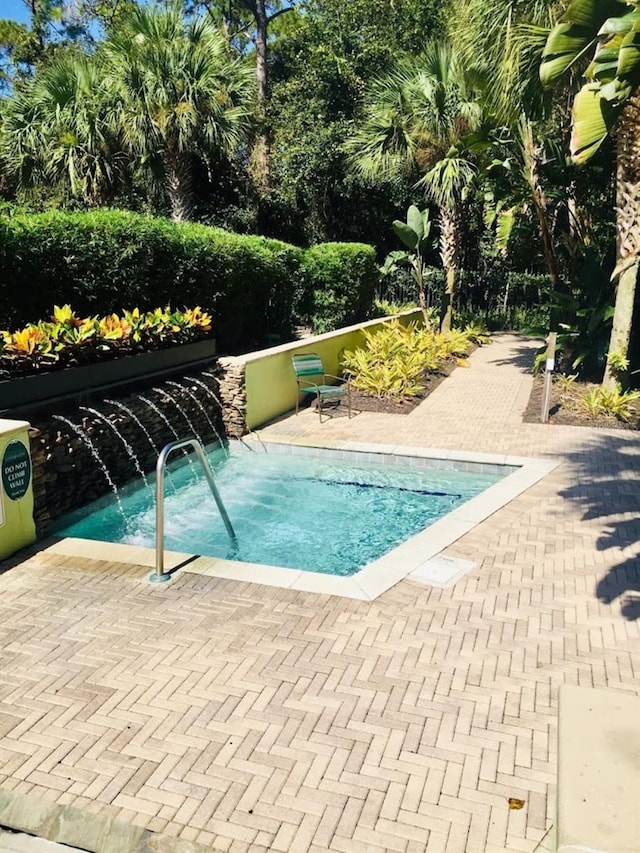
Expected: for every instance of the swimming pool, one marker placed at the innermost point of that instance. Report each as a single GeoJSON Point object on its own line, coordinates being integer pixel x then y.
{"type": "Point", "coordinates": [331, 512]}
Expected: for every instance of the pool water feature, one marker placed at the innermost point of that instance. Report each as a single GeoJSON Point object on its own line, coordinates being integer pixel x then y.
{"type": "Point", "coordinates": [331, 513]}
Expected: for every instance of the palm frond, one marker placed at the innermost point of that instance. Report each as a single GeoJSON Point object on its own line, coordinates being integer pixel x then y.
{"type": "Point", "coordinates": [449, 180]}
{"type": "Point", "coordinates": [414, 115]}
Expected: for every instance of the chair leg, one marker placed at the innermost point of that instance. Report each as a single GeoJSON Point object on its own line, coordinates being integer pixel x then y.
{"type": "Point", "coordinates": [319, 404]}
{"type": "Point", "coordinates": [349, 400]}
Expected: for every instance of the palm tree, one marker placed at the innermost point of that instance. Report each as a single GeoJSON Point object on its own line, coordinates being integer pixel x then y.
{"type": "Point", "coordinates": [56, 130]}
{"type": "Point", "coordinates": [607, 31]}
{"type": "Point", "coordinates": [505, 38]}
{"type": "Point", "coordinates": [416, 122]}
{"type": "Point", "coordinates": [181, 93]}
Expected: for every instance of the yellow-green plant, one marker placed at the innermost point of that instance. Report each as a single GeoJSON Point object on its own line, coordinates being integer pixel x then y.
{"type": "Point", "coordinates": [590, 403]}
{"type": "Point", "coordinates": [388, 308]}
{"type": "Point", "coordinates": [457, 342]}
{"type": "Point", "coordinates": [396, 377]}
{"type": "Point", "coordinates": [618, 366]}
{"type": "Point", "coordinates": [613, 402]}
{"type": "Point", "coordinates": [564, 381]}
{"type": "Point", "coordinates": [395, 358]}
{"type": "Point", "coordinates": [477, 334]}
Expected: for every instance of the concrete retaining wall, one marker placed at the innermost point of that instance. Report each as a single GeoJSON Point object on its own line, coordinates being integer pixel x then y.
{"type": "Point", "coordinates": [16, 488]}
{"type": "Point", "coordinates": [263, 382]}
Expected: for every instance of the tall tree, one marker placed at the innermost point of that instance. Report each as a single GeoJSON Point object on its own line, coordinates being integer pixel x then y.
{"type": "Point", "coordinates": [57, 131]}
{"type": "Point", "coordinates": [250, 21]}
{"type": "Point", "coordinates": [505, 39]}
{"type": "Point", "coordinates": [419, 119]}
{"type": "Point", "coordinates": [17, 50]}
{"type": "Point", "coordinates": [53, 24]}
{"type": "Point", "coordinates": [181, 93]}
{"type": "Point", "coordinates": [321, 57]}
{"type": "Point", "coordinates": [609, 31]}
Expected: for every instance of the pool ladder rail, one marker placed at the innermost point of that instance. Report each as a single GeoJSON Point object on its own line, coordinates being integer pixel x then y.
{"type": "Point", "coordinates": [160, 575]}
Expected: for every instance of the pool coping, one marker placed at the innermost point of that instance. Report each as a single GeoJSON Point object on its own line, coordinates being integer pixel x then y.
{"type": "Point", "coordinates": [376, 577]}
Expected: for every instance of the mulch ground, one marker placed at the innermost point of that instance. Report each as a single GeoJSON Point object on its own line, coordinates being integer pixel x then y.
{"type": "Point", "coordinates": [361, 402]}
{"type": "Point", "coordinates": [566, 407]}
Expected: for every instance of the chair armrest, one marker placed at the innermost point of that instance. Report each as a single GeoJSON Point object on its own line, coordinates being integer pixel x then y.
{"type": "Point", "coordinates": [307, 384]}
{"type": "Point", "coordinates": [339, 378]}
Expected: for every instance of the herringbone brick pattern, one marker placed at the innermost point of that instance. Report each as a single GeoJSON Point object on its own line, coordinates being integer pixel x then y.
{"type": "Point", "coordinates": [251, 718]}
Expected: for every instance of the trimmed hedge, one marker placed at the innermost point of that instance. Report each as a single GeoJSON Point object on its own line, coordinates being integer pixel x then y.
{"type": "Point", "coordinates": [109, 260]}
{"type": "Point", "coordinates": [340, 284]}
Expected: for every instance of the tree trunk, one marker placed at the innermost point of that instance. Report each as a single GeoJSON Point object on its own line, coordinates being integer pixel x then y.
{"type": "Point", "coordinates": [447, 308]}
{"type": "Point", "coordinates": [261, 150]}
{"type": "Point", "coordinates": [418, 275]}
{"type": "Point", "coordinates": [179, 185]}
{"type": "Point", "coordinates": [627, 234]}
{"type": "Point", "coordinates": [531, 157]}
{"type": "Point", "coordinates": [450, 242]}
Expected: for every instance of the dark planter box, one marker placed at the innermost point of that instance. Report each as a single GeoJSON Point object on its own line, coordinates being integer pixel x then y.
{"type": "Point", "coordinates": [33, 391]}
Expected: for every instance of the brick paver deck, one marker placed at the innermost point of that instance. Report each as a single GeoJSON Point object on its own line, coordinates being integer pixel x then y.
{"type": "Point", "coordinates": [250, 718]}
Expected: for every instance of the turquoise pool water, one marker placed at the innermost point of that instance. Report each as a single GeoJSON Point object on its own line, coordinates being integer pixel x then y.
{"type": "Point", "coordinates": [299, 512]}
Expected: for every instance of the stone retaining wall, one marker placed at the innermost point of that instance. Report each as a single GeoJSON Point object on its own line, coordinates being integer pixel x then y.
{"type": "Point", "coordinates": [66, 471]}
{"type": "Point", "coordinates": [233, 395]}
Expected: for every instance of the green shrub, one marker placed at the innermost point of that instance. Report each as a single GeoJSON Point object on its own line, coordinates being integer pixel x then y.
{"type": "Point", "coordinates": [101, 262]}
{"type": "Point", "coordinates": [339, 282]}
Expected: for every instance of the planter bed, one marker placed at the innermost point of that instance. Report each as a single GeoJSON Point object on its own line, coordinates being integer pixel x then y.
{"type": "Point", "coordinates": [32, 391]}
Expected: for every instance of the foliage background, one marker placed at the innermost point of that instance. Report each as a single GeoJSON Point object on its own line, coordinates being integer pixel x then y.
{"type": "Point", "coordinates": [323, 60]}
{"type": "Point", "coordinates": [105, 261]}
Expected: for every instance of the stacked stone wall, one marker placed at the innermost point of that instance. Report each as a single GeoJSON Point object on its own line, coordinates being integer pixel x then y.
{"type": "Point", "coordinates": [233, 395]}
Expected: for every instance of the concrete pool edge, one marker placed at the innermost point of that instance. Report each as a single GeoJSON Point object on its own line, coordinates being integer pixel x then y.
{"type": "Point", "coordinates": [376, 577]}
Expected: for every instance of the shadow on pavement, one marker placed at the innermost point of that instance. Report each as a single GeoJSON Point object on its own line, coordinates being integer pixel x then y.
{"type": "Point", "coordinates": [608, 490]}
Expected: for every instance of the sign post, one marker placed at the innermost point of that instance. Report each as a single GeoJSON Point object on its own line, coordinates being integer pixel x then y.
{"type": "Point", "coordinates": [548, 373]}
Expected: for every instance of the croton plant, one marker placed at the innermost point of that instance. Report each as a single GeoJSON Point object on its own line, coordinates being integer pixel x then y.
{"type": "Point", "coordinates": [68, 340]}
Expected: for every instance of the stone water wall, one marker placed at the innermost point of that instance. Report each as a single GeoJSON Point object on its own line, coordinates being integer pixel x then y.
{"type": "Point", "coordinates": [233, 395]}
{"type": "Point", "coordinates": [66, 473]}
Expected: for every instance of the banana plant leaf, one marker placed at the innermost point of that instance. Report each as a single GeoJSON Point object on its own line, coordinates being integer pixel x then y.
{"type": "Point", "coordinates": [415, 221]}
{"type": "Point", "coordinates": [629, 56]}
{"type": "Point", "coordinates": [593, 118]}
{"type": "Point", "coordinates": [575, 34]}
{"type": "Point", "coordinates": [406, 234]}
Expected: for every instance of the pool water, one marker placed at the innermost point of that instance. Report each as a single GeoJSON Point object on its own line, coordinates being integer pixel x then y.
{"type": "Point", "coordinates": [298, 512]}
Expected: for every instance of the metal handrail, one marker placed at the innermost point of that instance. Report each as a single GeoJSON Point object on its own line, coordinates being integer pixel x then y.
{"type": "Point", "coordinates": [160, 575]}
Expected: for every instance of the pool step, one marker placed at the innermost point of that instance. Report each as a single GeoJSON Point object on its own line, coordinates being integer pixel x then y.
{"type": "Point", "coordinates": [598, 771]}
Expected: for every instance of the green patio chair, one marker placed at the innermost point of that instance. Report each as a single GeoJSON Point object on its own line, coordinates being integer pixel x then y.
{"type": "Point", "coordinates": [310, 365]}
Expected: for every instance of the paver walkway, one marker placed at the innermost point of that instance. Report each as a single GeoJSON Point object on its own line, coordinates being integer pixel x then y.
{"type": "Point", "coordinates": [250, 718]}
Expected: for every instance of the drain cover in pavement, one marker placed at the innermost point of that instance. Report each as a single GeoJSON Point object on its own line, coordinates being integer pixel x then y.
{"type": "Point", "coordinates": [442, 571]}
